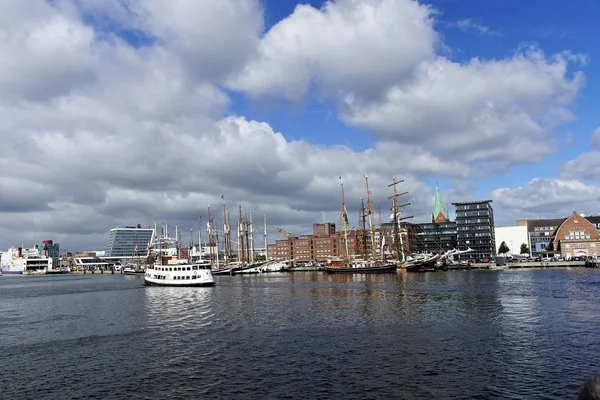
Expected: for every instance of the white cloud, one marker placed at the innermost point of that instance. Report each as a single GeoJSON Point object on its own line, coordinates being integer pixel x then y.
{"type": "Point", "coordinates": [379, 59]}
{"type": "Point", "coordinates": [482, 110]}
{"type": "Point", "coordinates": [587, 165]}
{"type": "Point", "coordinates": [45, 50]}
{"type": "Point", "coordinates": [546, 198]}
{"type": "Point", "coordinates": [468, 24]}
{"type": "Point", "coordinates": [348, 46]}
{"type": "Point", "coordinates": [596, 138]}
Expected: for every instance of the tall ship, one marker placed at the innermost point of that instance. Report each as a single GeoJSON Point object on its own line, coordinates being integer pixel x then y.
{"type": "Point", "coordinates": [25, 261]}
{"type": "Point", "coordinates": [371, 263]}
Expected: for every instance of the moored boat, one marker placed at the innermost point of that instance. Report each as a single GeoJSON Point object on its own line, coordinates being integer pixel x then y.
{"type": "Point", "coordinates": [134, 270]}
{"type": "Point", "coordinates": [345, 264]}
{"type": "Point", "coordinates": [360, 268]}
{"type": "Point", "coordinates": [25, 261]}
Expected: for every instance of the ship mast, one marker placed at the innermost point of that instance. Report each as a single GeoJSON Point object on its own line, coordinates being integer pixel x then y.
{"type": "Point", "coordinates": [362, 238]}
{"type": "Point", "coordinates": [399, 247]}
{"type": "Point", "coordinates": [200, 238]}
{"type": "Point", "coordinates": [241, 254]}
{"type": "Point", "coordinates": [210, 237]}
{"type": "Point", "coordinates": [344, 227]}
{"type": "Point", "coordinates": [371, 212]}
{"type": "Point", "coordinates": [226, 236]}
{"type": "Point", "coordinates": [266, 246]}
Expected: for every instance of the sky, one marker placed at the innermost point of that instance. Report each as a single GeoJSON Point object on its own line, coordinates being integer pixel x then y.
{"type": "Point", "coordinates": [123, 112]}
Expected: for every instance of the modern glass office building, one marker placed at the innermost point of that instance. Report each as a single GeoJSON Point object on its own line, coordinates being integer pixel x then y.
{"type": "Point", "coordinates": [123, 242]}
{"type": "Point", "coordinates": [475, 229]}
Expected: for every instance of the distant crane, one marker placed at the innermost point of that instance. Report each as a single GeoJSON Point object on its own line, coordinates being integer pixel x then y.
{"type": "Point", "coordinates": [282, 233]}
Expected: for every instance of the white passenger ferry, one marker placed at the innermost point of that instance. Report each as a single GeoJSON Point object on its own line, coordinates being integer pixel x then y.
{"type": "Point", "coordinates": [179, 274]}
{"type": "Point", "coordinates": [19, 260]}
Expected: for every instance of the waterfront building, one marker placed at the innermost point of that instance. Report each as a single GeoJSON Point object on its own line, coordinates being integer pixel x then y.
{"type": "Point", "coordinates": [124, 242]}
{"type": "Point", "coordinates": [475, 229]}
{"type": "Point", "coordinates": [322, 245]}
{"type": "Point", "coordinates": [435, 237]}
{"type": "Point", "coordinates": [541, 233]}
{"type": "Point", "coordinates": [50, 249]}
{"type": "Point", "coordinates": [577, 236]}
{"type": "Point", "coordinates": [513, 236]}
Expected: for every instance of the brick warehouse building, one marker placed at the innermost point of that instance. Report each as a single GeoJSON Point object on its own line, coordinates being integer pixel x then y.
{"type": "Point", "coordinates": [577, 237]}
{"type": "Point", "coordinates": [323, 244]}
{"type": "Point", "coordinates": [543, 232]}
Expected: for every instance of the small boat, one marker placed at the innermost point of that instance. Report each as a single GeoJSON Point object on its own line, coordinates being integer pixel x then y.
{"type": "Point", "coordinates": [60, 270]}
{"type": "Point", "coordinates": [132, 269]}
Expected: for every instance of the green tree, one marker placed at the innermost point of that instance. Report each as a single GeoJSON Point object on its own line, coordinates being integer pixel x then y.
{"type": "Point", "coordinates": [503, 249]}
{"type": "Point", "coordinates": [550, 247]}
{"type": "Point", "coordinates": [524, 249]}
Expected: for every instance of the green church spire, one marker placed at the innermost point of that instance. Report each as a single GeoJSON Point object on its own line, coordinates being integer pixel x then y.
{"type": "Point", "coordinates": [439, 214]}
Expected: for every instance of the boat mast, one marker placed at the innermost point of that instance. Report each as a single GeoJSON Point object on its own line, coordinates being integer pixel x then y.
{"type": "Point", "coordinates": [209, 233]}
{"type": "Point", "coordinates": [241, 254]}
{"type": "Point", "coordinates": [362, 239]}
{"type": "Point", "coordinates": [200, 238]}
{"type": "Point", "coordinates": [266, 247]}
{"type": "Point", "coordinates": [216, 233]}
{"type": "Point", "coordinates": [371, 220]}
{"type": "Point", "coordinates": [344, 227]}
{"type": "Point", "coordinates": [226, 238]}
{"type": "Point", "coordinates": [251, 237]}
{"type": "Point", "coordinates": [381, 237]}
{"type": "Point", "coordinates": [246, 237]}
{"type": "Point", "coordinates": [396, 221]}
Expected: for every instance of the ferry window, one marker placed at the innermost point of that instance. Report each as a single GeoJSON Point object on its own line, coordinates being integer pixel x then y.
{"type": "Point", "coordinates": [170, 269]}
{"type": "Point", "coordinates": [194, 277]}
{"type": "Point", "coordinates": [194, 267]}
{"type": "Point", "coordinates": [187, 277]}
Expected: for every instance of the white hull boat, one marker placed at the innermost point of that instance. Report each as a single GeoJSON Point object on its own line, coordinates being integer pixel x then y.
{"type": "Point", "coordinates": [179, 275]}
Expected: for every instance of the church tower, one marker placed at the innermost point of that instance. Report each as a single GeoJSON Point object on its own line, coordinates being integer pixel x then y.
{"type": "Point", "coordinates": [439, 214]}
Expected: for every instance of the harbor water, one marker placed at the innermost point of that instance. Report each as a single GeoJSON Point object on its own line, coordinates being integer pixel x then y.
{"type": "Point", "coordinates": [444, 335]}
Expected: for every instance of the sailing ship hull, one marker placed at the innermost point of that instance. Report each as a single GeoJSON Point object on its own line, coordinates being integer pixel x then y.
{"type": "Point", "coordinates": [426, 266]}
{"type": "Point", "coordinates": [361, 270]}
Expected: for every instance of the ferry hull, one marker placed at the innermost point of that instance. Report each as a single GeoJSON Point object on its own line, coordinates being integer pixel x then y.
{"type": "Point", "coordinates": [185, 284]}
